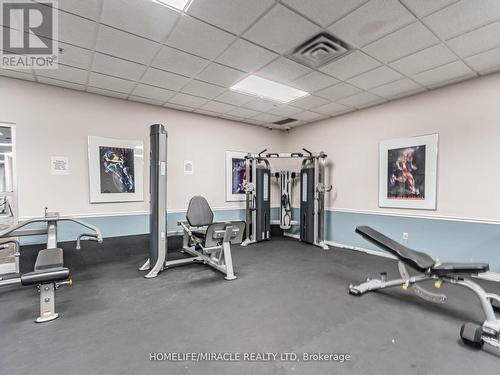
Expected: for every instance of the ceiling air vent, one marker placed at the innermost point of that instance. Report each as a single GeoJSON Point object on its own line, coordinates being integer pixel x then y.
{"type": "Point", "coordinates": [284, 121]}
{"type": "Point", "coordinates": [319, 50]}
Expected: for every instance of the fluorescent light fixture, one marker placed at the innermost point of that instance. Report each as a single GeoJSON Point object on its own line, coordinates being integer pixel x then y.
{"type": "Point", "coordinates": [267, 89]}
{"type": "Point", "coordinates": [181, 5]}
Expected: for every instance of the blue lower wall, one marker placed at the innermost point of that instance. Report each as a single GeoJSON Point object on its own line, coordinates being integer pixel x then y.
{"type": "Point", "coordinates": [445, 240]}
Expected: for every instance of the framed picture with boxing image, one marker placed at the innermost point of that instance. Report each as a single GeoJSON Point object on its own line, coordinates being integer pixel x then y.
{"type": "Point", "coordinates": [408, 172]}
{"type": "Point", "coordinates": [115, 170]}
{"type": "Point", "coordinates": [235, 176]}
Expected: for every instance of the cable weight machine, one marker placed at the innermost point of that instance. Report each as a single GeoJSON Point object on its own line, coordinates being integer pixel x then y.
{"type": "Point", "coordinates": [312, 196]}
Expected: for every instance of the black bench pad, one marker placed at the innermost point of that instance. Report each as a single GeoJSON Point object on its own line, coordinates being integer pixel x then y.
{"type": "Point", "coordinates": [418, 260]}
{"type": "Point", "coordinates": [48, 268]}
{"type": "Point", "coordinates": [413, 258]}
{"type": "Point", "coordinates": [460, 268]}
{"type": "Point", "coordinates": [40, 277]}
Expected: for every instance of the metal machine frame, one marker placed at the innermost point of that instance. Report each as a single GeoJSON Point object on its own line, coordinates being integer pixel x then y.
{"type": "Point", "coordinates": [48, 286]}
{"type": "Point", "coordinates": [218, 236]}
{"type": "Point", "coordinates": [317, 162]}
{"type": "Point", "coordinates": [217, 250]}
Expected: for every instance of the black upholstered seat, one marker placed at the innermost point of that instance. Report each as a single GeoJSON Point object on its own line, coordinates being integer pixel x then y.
{"type": "Point", "coordinates": [419, 260]}
{"type": "Point", "coordinates": [48, 268]}
{"type": "Point", "coordinates": [460, 268]}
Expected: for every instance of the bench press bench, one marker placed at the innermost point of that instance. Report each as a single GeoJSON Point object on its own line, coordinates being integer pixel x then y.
{"type": "Point", "coordinates": [452, 273]}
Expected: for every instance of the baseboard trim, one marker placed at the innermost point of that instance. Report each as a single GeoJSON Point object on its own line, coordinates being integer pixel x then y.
{"type": "Point", "coordinates": [489, 276]}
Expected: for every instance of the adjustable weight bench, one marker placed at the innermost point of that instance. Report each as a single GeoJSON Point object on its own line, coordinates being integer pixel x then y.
{"type": "Point", "coordinates": [429, 269]}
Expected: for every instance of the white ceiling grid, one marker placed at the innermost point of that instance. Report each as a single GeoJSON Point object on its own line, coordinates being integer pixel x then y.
{"type": "Point", "coordinates": [141, 51]}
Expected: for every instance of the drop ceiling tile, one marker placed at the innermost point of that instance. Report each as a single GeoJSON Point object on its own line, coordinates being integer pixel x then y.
{"type": "Point", "coordinates": [285, 111]}
{"type": "Point", "coordinates": [309, 102]}
{"type": "Point", "coordinates": [361, 100]}
{"type": "Point", "coordinates": [88, 8]}
{"type": "Point", "coordinates": [117, 67]}
{"type": "Point", "coordinates": [231, 15]}
{"type": "Point", "coordinates": [260, 105]}
{"type": "Point", "coordinates": [267, 118]}
{"type": "Point", "coordinates": [314, 81]}
{"type": "Point", "coordinates": [338, 91]}
{"type": "Point", "coordinates": [283, 70]}
{"type": "Point", "coordinates": [187, 100]}
{"type": "Point", "coordinates": [350, 65]}
{"type": "Point", "coordinates": [397, 89]}
{"type": "Point", "coordinates": [76, 30]}
{"type": "Point", "coordinates": [197, 37]}
{"type": "Point", "coordinates": [463, 16]}
{"type": "Point", "coordinates": [242, 112]}
{"type": "Point", "coordinates": [232, 118]}
{"type": "Point", "coordinates": [485, 62]}
{"type": "Point", "coordinates": [444, 74]}
{"type": "Point", "coordinates": [126, 46]}
{"type": "Point", "coordinates": [308, 116]}
{"type": "Point", "coordinates": [375, 77]}
{"type": "Point", "coordinates": [65, 73]}
{"type": "Point", "coordinates": [145, 18]}
{"type": "Point", "coordinates": [253, 122]}
{"type": "Point", "coordinates": [409, 39]}
{"type": "Point", "coordinates": [140, 99]}
{"type": "Point", "coordinates": [235, 98]}
{"type": "Point", "coordinates": [205, 90]}
{"type": "Point", "coordinates": [159, 78]}
{"type": "Point", "coordinates": [281, 30]}
{"type": "Point", "coordinates": [218, 107]}
{"type": "Point", "coordinates": [111, 93]}
{"type": "Point", "coordinates": [220, 75]}
{"type": "Point", "coordinates": [207, 113]}
{"type": "Point", "coordinates": [179, 62]}
{"type": "Point", "coordinates": [332, 109]}
{"type": "Point", "coordinates": [423, 8]}
{"type": "Point", "coordinates": [324, 12]}
{"type": "Point", "coordinates": [56, 82]}
{"type": "Point", "coordinates": [424, 60]}
{"type": "Point", "coordinates": [103, 81]}
{"type": "Point", "coordinates": [26, 75]}
{"type": "Point", "coordinates": [476, 41]}
{"type": "Point", "coordinates": [178, 107]}
{"type": "Point", "coordinates": [75, 56]}
{"type": "Point", "coordinates": [371, 21]}
{"type": "Point", "coordinates": [152, 92]}
{"type": "Point", "coordinates": [246, 56]}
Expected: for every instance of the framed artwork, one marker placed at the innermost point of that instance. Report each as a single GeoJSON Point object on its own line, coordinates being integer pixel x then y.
{"type": "Point", "coordinates": [408, 172]}
{"type": "Point", "coordinates": [235, 176]}
{"type": "Point", "coordinates": [115, 170]}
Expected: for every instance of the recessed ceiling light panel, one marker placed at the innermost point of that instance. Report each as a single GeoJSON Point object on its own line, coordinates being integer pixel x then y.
{"type": "Point", "coordinates": [181, 5]}
{"type": "Point", "coordinates": [267, 89]}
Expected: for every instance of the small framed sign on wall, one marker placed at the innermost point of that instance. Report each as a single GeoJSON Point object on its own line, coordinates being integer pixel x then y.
{"type": "Point", "coordinates": [115, 170]}
{"type": "Point", "coordinates": [408, 172]}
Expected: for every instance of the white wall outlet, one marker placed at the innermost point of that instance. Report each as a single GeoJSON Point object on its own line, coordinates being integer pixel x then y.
{"type": "Point", "coordinates": [405, 235]}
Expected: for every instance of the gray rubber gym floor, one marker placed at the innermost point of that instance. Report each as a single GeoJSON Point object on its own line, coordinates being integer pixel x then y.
{"type": "Point", "coordinates": [289, 297]}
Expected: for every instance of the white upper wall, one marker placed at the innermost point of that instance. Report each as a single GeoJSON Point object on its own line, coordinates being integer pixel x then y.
{"type": "Point", "coordinates": [467, 118]}
{"type": "Point", "coordinates": [53, 121]}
